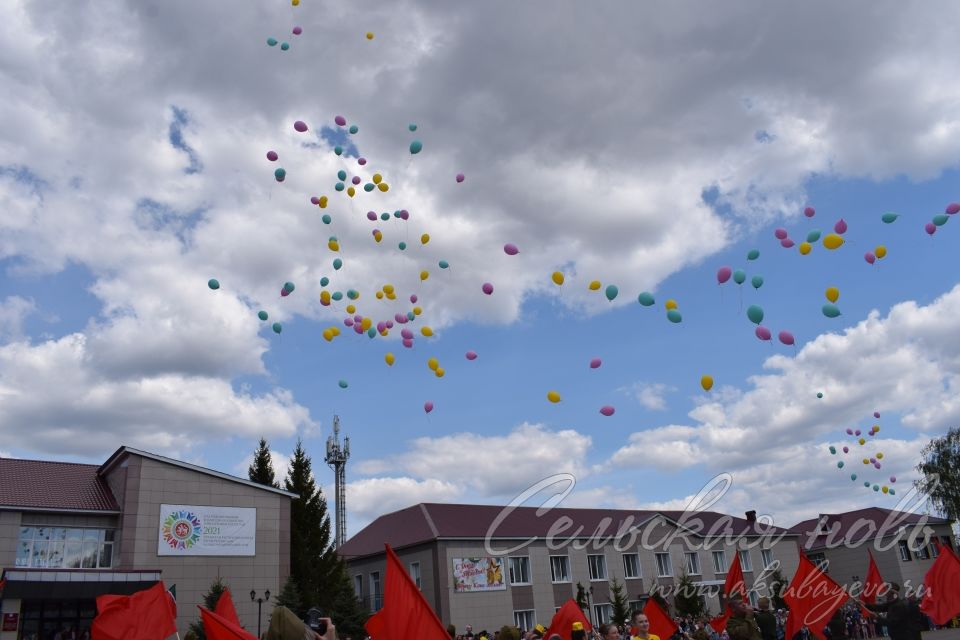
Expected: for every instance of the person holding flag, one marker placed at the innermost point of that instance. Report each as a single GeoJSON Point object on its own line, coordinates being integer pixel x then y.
{"type": "Point", "coordinates": [741, 624]}
{"type": "Point", "coordinates": [904, 617]}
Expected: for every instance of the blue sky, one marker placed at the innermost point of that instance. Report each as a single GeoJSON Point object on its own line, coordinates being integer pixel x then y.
{"type": "Point", "coordinates": [649, 175]}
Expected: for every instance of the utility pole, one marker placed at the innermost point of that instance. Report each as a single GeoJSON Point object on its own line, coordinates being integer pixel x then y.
{"type": "Point", "coordinates": [336, 458]}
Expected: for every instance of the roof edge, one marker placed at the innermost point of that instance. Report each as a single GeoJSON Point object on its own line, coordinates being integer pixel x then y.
{"type": "Point", "coordinates": [88, 512]}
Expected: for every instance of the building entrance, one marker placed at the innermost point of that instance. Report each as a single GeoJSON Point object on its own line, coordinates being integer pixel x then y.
{"type": "Point", "coordinates": [44, 619]}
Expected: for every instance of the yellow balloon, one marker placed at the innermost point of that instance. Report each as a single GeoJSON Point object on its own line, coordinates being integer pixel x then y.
{"type": "Point", "coordinates": [425, 238]}
{"type": "Point", "coordinates": [323, 202]}
{"type": "Point", "coordinates": [390, 359]}
{"type": "Point", "coordinates": [880, 456]}
{"type": "Point", "coordinates": [433, 363]}
{"type": "Point", "coordinates": [388, 288]}
{"type": "Point", "coordinates": [866, 461]}
{"type": "Point", "coordinates": [424, 275]}
{"type": "Point", "coordinates": [351, 191]}
{"type": "Point", "coordinates": [379, 295]}
{"type": "Point", "coordinates": [335, 330]}
{"type": "Point", "coordinates": [351, 308]}
{"type": "Point", "coordinates": [391, 296]}
{"type": "Point", "coordinates": [706, 382]}
{"type": "Point", "coordinates": [557, 277]}
{"type": "Point", "coordinates": [377, 178]}
{"type": "Point", "coordinates": [327, 335]}
{"type": "Point", "coordinates": [595, 285]}
{"type": "Point", "coordinates": [876, 428]}
{"type": "Point", "coordinates": [804, 248]}
{"type": "Point", "coordinates": [295, 2]}
{"type": "Point", "coordinates": [832, 293]}
{"type": "Point", "coordinates": [383, 186]}
{"type": "Point", "coordinates": [885, 489]}
{"type": "Point", "coordinates": [369, 34]}
{"type": "Point", "coordinates": [832, 241]}
{"type": "Point", "coordinates": [426, 331]}
{"type": "Point", "coordinates": [553, 396]}
{"type": "Point", "coordinates": [366, 323]}
{"type": "Point", "coordinates": [325, 296]}
{"type": "Point", "coordinates": [439, 372]}
{"type": "Point", "coordinates": [378, 236]}
{"type": "Point", "coordinates": [670, 304]}
{"type": "Point", "coordinates": [861, 441]}
{"type": "Point", "coordinates": [417, 311]}
{"type": "Point", "coordinates": [880, 252]}
{"type": "Point", "coordinates": [334, 245]}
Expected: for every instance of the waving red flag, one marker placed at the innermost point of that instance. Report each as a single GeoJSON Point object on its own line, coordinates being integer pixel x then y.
{"type": "Point", "coordinates": [812, 597]}
{"type": "Point", "coordinates": [873, 583]}
{"type": "Point", "coordinates": [941, 587]}
{"type": "Point", "coordinates": [218, 627]}
{"type": "Point", "coordinates": [660, 623]}
{"type": "Point", "coordinates": [146, 615]}
{"type": "Point", "coordinates": [225, 608]}
{"type": "Point", "coordinates": [563, 619]}
{"type": "Point", "coordinates": [733, 584]}
{"type": "Point", "coordinates": [405, 614]}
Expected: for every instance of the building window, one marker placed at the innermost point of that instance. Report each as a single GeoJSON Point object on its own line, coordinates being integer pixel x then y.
{"type": "Point", "coordinates": [934, 550]}
{"type": "Point", "coordinates": [598, 567]}
{"type": "Point", "coordinates": [631, 565]}
{"type": "Point", "coordinates": [635, 605]}
{"type": "Point", "coordinates": [63, 548]}
{"type": "Point", "coordinates": [520, 570]}
{"type": "Point", "coordinates": [819, 559]}
{"type": "Point", "coordinates": [745, 561]}
{"type": "Point", "coordinates": [664, 568]}
{"type": "Point", "coordinates": [692, 563]}
{"type": "Point", "coordinates": [415, 573]}
{"type": "Point", "coordinates": [754, 599]}
{"type": "Point", "coordinates": [603, 612]}
{"type": "Point", "coordinates": [376, 595]}
{"type": "Point", "coordinates": [904, 550]}
{"type": "Point", "coordinates": [766, 556]}
{"type": "Point", "coordinates": [524, 620]}
{"type": "Point", "coordinates": [358, 586]}
{"type": "Point", "coordinates": [559, 568]}
{"type": "Point", "coordinates": [922, 553]}
{"type": "Point", "coordinates": [719, 562]}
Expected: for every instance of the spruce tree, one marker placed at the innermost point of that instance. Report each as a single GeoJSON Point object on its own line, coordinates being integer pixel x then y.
{"type": "Point", "coordinates": [261, 471]}
{"type": "Point", "coordinates": [687, 597]}
{"type": "Point", "coordinates": [290, 597]}
{"type": "Point", "coordinates": [582, 597]}
{"type": "Point", "coordinates": [619, 603]}
{"type": "Point", "coordinates": [210, 603]}
{"type": "Point", "coordinates": [347, 610]}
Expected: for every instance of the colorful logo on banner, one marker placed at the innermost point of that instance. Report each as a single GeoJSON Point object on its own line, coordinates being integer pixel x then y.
{"type": "Point", "coordinates": [181, 530]}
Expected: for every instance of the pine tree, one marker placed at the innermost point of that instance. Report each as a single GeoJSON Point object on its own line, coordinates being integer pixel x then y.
{"type": "Point", "coordinates": [582, 597]}
{"type": "Point", "coordinates": [619, 603]}
{"type": "Point", "coordinates": [217, 587]}
{"type": "Point", "coordinates": [347, 610]}
{"type": "Point", "coordinates": [290, 597]}
{"type": "Point", "coordinates": [687, 598]}
{"type": "Point", "coordinates": [777, 585]}
{"type": "Point", "coordinates": [261, 471]}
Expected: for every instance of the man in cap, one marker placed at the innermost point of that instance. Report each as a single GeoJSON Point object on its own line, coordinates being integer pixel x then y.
{"type": "Point", "coordinates": [741, 624]}
{"type": "Point", "coordinates": [903, 615]}
{"type": "Point", "coordinates": [765, 619]}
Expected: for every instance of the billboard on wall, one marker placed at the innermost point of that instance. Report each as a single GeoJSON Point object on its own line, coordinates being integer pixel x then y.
{"type": "Point", "coordinates": [478, 574]}
{"type": "Point", "coordinates": [187, 530]}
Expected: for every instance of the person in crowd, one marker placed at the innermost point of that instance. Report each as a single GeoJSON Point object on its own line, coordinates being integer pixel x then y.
{"type": "Point", "coordinates": [903, 616]}
{"type": "Point", "coordinates": [741, 624]}
{"type": "Point", "coordinates": [641, 626]}
{"type": "Point", "coordinates": [766, 621]}
{"type": "Point", "coordinates": [609, 632]}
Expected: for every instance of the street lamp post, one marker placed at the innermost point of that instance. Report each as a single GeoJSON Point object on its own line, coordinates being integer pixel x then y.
{"type": "Point", "coordinates": [259, 601]}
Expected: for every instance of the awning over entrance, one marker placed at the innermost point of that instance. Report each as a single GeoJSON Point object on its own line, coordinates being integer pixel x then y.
{"type": "Point", "coordinates": [42, 584]}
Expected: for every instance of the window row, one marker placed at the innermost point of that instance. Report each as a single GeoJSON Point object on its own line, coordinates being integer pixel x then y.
{"type": "Point", "coordinates": [374, 600]}
{"type": "Point", "coordinates": [65, 548]}
{"type": "Point", "coordinates": [925, 552]}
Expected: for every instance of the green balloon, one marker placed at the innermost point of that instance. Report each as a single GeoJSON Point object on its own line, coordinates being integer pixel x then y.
{"type": "Point", "coordinates": [372, 332]}
{"type": "Point", "coordinates": [612, 292]}
{"type": "Point", "coordinates": [813, 236]}
{"type": "Point", "coordinates": [674, 316]}
{"type": "Point", "coordinates": [646, 299]}
{"type": "Point", "coordinates": [819, 394]}
{"type": "Point", "coordinates": [889, 217]}
{"type": "Point", "coordinates": [755, 313]}
{"type": "Point", "coordinates": [833, 450]}
{"type": "Point", "coordinates": [402, 246]}
{"type": "Point", "coordinates": [343, 384]}
{"type": "Point", "coordinates": [384, 216]}
{"type": "Point", "coordinates": [342, 174]}
{"type": "Point", "coordinates": [277, 327]}
{"type": "Point", "coordinates": [892, 492]}
{"type": "Point", "coordinates": [739, 276]}
{"type": "Point", "coordinates": [840, 465]}
{"type": "Point", "coordinates": [369, 186]}
{"type": "Point", "coordinates": [338, 186]}
{"type": "Point", "coordinates": [352, 294]}
{"type": "Point", "coordinates": [853, 476]}
{"type": "Point", "coordinates": [337, 295]}
{"type": "Point", "coordinates": [831, 310]}
{"type": "Point", "coordinates": [443, 264]}
{"type": "Point", "coordinates": [337, 263]}
{"type": "Point", "coordinates": [756, 281]}
{"type": "Point", "coordinates": [213, 283]}
{"type": "Point", "coordinates": [289, 287]}
{"type": "Point", "coordinates": [354, 128]}
{"type": "Point", "coordinates": [940, 219]}
{"type": "Point", "coordinates": [866, 484]}
{"type": "Point", "coordinates": [263, 315]}
{"type": "Point", "coordinates": [272, 42]}
{"type": "Point", "coordinates": [324, 281]}
{"type": "Point", "coordinates": [338, 150]}
{"type": "Point", "coordinates": [411, 316]}
{"type": "Point", "coordinates": [412, 127]}
{"type": "Point", "coordinates": [326, 218]}
{"type": "Point", "coordinates": [753, 254]}
{"type": "Point", "coordinates": [415, 147]}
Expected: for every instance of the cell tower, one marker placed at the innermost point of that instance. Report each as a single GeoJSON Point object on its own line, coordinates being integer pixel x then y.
{"type": "Point", "coordinates": [337, 460]}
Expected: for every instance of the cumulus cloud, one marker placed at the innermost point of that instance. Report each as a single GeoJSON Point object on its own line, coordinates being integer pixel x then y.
{"type": "Point", "coordinates": [371, 497]}
{"type": "Point", "coordinates": [652, 395]}
{"type": "Point", "coordinates": [279, 461]}
{"type": "Point", "coordinates": [13, 311]}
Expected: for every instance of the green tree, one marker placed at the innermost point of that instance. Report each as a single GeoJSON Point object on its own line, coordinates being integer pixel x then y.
{"type": "Point", "coordinates": [941, 479]}
{"type": "Point", "coordinates": [290, 597]}
{"type": "Point", "coordinates": [619, 603]}
{"type": "Point", "coordinates": [350, 614]}
{"type": "Point", "coordinates": [217, 587]}
{"type": "Point", "coordinates": [582, 597]}
{"type": "Point", "coordinates": [776, 587]}
{"type": "Point", "coordinates": [261, 471]}
{"type": "Point", "coordinates": [687, 597]}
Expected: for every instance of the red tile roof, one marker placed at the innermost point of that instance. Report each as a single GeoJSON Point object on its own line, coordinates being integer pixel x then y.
{"type": "Point", "coordinates": [428, 521]}
{"type": "Point", "coordinates": [885, 521]}
{"type": "Point", "coordinates": [37, 484]}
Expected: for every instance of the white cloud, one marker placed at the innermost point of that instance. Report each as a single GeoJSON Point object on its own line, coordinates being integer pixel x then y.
{"type": "Point", "coordinates": [279, 461]}
{"type": "Point", "coordinates": [371, 497]}
{"type": "Point", "coordinates": [652, 395]}
{"type": "Point", "coordinates": [13, 311]}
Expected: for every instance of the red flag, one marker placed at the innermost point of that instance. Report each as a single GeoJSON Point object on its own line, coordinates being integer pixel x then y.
{"type": "Point", "coordinates": [873, 583]}
{"type": "Point", "coordinates": [941, 587]}
{"type": "Point", "coordinates": [812, 597]}
{"type": "Point", "coordinates": [218, 627]}
{"type": "Point", "coordinates": [733, 584]}
{"type": "Point", "coordinates": [405, 613]}
{"type": "Point", "coordinates": [3, 583]}
{"type": "Point", "coordinates": [660, 623]}
{"type": "Point", "coordinates": [563, 619]}
{"type": "Point", "coordinates": [146, 615]}
{"type": "Point", "coordinates": [225, 608]}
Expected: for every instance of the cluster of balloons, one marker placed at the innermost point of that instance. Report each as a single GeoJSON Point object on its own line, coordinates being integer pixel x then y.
{"type": "Point", "coordinates": [830, 309]}
{"type": "Point", "coordinates": [941, 218]}
{"type": "Point", "coordinates": [868, 460]}
{"type": "Point", "coordinates": [724, 274]}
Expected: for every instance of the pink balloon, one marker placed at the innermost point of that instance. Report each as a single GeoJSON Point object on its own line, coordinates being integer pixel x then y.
{"type": "Point", "coordinates": [723, 274]}
{"type": "Point", "coordinates": [408, 343]}
{"type": "Point", "coordinates": [780, 233]}
{"type": "Point", "coordinates": [595, 363]}
{"type": "Point", "coordinates": [428, 406]}
{"type": "Point", "coordinates": [930, 228]}
{"type": "Point", "coordinates": [407, 334]}
{"type": "Point", "coordinates": [460, 177]}
{"type": "Point", "coordinates": [361, 161]}
{"type": "Point", "coordinates": [348, 322]}
{"type": "Point", "coordinates": [786, 243]}
{"type": "Point", "coordinates": [786, 337]}
{"type": "Point", "coordinates": [272, 156]}
{"type": "Point", "coordinates": [849, 431]}
{"type": "Point", "coordinates": [297, 31]}
{"type": "Point", "coordinates": [857, 432]}
{"type": "Point", "coordinates": [355, 180]}
{"type": "Point", "coordinates": [510, 249]}
{"type": "Point", "coordinates": [358, 327]}
{"type": "Point", "coordinates": [471, 355]}
{"type": "Point", "coordinates": [314, 200]}
{"type": "Point", "coordinates": [952, 208]}
{"type": "Point", "coordinates": [404, 214]}
{"type": "Point", "coordinates": [762, 332]}
{"type": "Point", "coordinates": [809, 212]}
{"type": "Point", "coordinates": [873, 461]}
{"type": "Point", "coordinates": [389, 324]}
{"type": "Point", "coordinates": [876, 414]}
{"type": "Point", "coordinates": [607, 410]}
{"type": "Point", "coordinates": [893, 478]}
{"type": "Point", "coordinates": [284, 293]}
{"type": "Point", "coordinates": [846, 449]}
{"type": "Point", "coordinates": [413, 298]}
{"type": "Point", "coordinates": [869, 257]}
{"type": "Point", "coordinates": [487, 288]}
{"type": "Point", "coordinates": [300, 126]}
{"type": "Point", "coordinates": [371, 215]}
{"type": "Point", "coordinates": [841, 226]}
{"type": "Point", "coordinates": [340, 120]}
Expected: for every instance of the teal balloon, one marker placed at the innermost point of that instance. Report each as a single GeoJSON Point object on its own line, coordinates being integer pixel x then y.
{"type": "Point", "coordinates": [739, 276]}
{"type": "Point", "coordinates": [853, 476]}
{"type": "Point", "coordinates": [755, 313]}
{"type": "Point", "coordinates": [338, 150]}
{"type": "Point", "coordinates": [412, 127]}
{"type": "Point", "coordinates": [892, 492]}
{"type": "Point", "coordinates": [280, 173]}
{"type": "Point", "coordinates": [277, 327]}
{"type": "Point", "coordinates": [411, 316]}
{"type": "Point", "coordinates": [756, 281]}
{"type": "Point", "coordinates": [326, 218]}
{"type": "Point", "coordinates": [876, 487]}
{"type": "Point", "coordinates": [213, 283]}
{"type": "Point", "coordinates": [324, 281]}
{"type": "Point", "coordinates": [332, 239]}
{"type": "Point", "coordinates": [384, 216]}
{"type": "Point", "coordinates": [337, 263]}
{"type": "Point", "coordinates": [263, 315]}
{"type": "Point", "coordinates": [342, 174]}
{"type": "Point", "coordinates": [833, 450]}
{"type": "Point", "coordinates": [416, 147]}
{"type": "Point", "coordinates": [337, 295]}
{"type": "Point", "coordinates": [272, 42]}
{"type": "Point", "coordinates": [840, 465]}
{"type": "Point", "coordinates": [354, 128]}
{"type": "Point", "coordinates": [830, 310]}
{"type": "Point", "coordinates": [866, 484]}
{"type": "Point", "coordinates": [813, 236]}
{"type": "Point", "coordinates": [289, 287]}
{"type": "Point", "coordinates": [352, 294]}
{"type": "Point", "coordinates": [284, 46]}
{"type": "Point", "coordinates": [443, 264]}
{"type": "Point", "coordinates": [940, 219]}
{"type": "Point", "coordinates": [674, 316]}
{"type": "Point", "coordinates": [753, 254]}
{"type": "Point", "coordinates": [819, 394]}
{"type": "Point", "coordinates": [343, 384]}
{"type": "Point", "coordinates": [372, 332]}
{"type": "Point", "coordinates": [402, 246]}
{"type": "Point", "coordinates": [611, 292]}
{"type": "Point", "coordinates": [369, 186]}
{"type": "Point", "coordinates": [339, 186]}
{"type": "Point", "coordinates": [889, 217]}
{"type": "Point", "coordinates": [646, 299]}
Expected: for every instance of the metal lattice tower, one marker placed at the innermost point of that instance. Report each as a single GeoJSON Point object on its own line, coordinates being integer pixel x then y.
{"type": "Point", "coordinates": [337, 460]}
